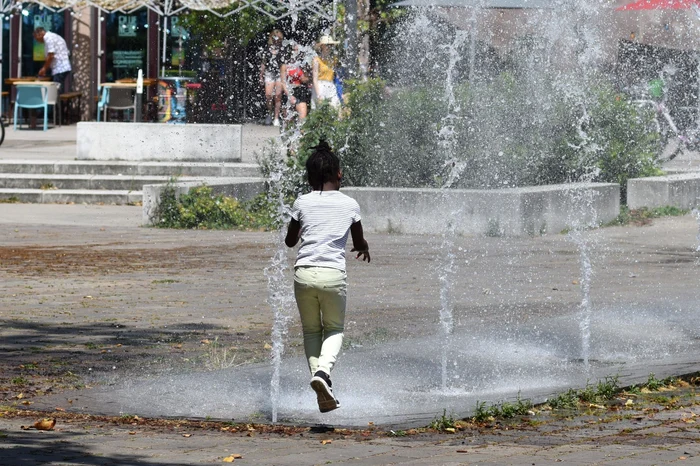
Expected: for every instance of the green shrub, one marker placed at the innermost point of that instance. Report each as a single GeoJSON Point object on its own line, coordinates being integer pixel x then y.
{"type": "Point", "coordinates": [201, 209]}
{"type": "Point", "coordinates": [644, 215]}
{"type": "Point", "coordinates": [404, 137]}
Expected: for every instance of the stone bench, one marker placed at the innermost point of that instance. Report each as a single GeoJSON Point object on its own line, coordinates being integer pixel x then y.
{"type": "Point", "coordinates": [158, 141]}
{"type": "Point", "coordinates": [682, 191]}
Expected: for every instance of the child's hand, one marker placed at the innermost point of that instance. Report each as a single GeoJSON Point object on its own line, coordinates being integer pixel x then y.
{"type": "Point", "coordinates": [364, 253]}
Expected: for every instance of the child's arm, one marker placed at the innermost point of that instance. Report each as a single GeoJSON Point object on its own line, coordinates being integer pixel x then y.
{"type": "Point", "coordinates": [293, 232]}
{"type": "Point", "coordinates": [359, 242]}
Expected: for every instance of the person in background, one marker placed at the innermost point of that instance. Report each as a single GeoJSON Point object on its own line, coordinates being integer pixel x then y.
{"type": "Point", "coordinates": [270, 76]}
{"type": "Point", "coordinates": [322, 220]}
{"type": "Point", "coordinates": [57, 56]}
{"type": "Point", "coordinates": [323, 75]}
{"type": "Point", "coordinates": [296, 80]}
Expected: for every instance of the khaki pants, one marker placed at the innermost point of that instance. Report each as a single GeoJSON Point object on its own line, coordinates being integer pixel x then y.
{"type": "Point", "coordinates": [320, 293]}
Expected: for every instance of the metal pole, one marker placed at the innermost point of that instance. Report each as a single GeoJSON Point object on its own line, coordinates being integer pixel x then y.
{"type": "Point", "coordinates": [2, 34]}
{"type": "Point", "coordinates": [165, 39]}
{"type": "Point", "coordinates": [100, 54]}
{"type": "Point", "coordinates": [19, 49]}
{"type": "Point", "coordinates": [351, 37]}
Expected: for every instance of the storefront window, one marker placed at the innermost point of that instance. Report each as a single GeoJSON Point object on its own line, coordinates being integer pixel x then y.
{"type": "Point", "coordinates": [34, 16]}
{"type": "Point", "coordinates": [127, 41]}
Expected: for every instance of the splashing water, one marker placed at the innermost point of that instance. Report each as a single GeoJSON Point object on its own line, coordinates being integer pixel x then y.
{"type": "Point", "coordinates": [696, 214]}
{"type": "Point", "coordinates": [280, 296]}
{"type": "Point", "coordinates": [583, 200]}
{"type": "Point", "coordinates": [446, 265]}
{"type": "Point", "coordinates": [446, 278]}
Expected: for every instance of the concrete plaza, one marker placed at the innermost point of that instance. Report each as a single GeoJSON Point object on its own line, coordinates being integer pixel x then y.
{"type": "Point", "coordinates": [101, 316]}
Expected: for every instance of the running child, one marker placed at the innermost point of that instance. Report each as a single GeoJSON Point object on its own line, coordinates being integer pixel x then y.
{"type": "Point", "coordinates": [322, 220]}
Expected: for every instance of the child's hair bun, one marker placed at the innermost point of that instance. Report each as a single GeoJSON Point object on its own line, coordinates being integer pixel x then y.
{"type": "Point", "coordinates": [322, 146]}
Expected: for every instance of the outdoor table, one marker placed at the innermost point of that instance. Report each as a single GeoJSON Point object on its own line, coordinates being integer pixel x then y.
{"type": "Point", "coordinates": [13, 81]}
{"type": "Point", "coordinates": [146, 81]}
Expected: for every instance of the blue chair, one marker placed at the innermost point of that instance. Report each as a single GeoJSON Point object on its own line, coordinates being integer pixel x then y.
{"type": "Point", "coordinates": [32, 97]}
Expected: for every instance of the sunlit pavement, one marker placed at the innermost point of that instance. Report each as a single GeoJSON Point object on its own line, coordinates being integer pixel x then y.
{"type": "Point", "coordinates": [518, 320]}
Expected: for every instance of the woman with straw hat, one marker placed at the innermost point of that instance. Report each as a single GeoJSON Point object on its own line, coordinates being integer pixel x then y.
{"type": "Point", "coordinates": [322, 73]}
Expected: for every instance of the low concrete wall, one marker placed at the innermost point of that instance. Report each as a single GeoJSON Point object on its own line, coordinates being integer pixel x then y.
{"type": "Point", "coordinates": [158, 141]}
{"type": "Point", "coordinates": [504, 212]}
{"type": "Point", "coordinates": [240, 188]}
{"type": "Point", "coordinates": [682, 191]}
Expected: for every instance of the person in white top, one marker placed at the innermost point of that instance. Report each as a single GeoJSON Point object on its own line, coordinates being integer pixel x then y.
{"type": "Point", "coordinates": [57, 56]}
{"type": "Point", "coordinates": [322, 220]}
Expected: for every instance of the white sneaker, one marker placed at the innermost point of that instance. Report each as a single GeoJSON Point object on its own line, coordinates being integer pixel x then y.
{"type": "Point", "coordinates": [276, 122]}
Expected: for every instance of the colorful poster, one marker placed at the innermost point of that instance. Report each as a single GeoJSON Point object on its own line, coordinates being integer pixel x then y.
{"type": "Point", "coordinates": [178, 56]}
{"type": "Point", "coordinates": [41, 21]}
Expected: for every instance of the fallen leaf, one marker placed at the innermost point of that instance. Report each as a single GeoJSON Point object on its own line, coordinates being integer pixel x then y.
{"type": "Point", "coordinates": [574, 282]}
{"type": "Point", "coordinates": [20, 396]}
{"type": "Point", "coordinates": [45, 424]}
{"type": "Point", "coordinates": [132, 433]}
{"type": "Point", "coordinates": [682, 458]}
{"type": "Point", "coordinates": [229, 459]}
{"type": "Point", "coordinates": [267, 346]}
{"type": "Point", "coordinates": [326, 442]}
{"type": "Point", "coordinates": [205, 342]}
{"type": "Point", "coordinates": [451, 430]}
{"type": "Point", "coordinates": [26, 403]}
{"type": "Point", "coordinates": [629, 402]}
{"type": "Point", "coordinates": [187, 435]}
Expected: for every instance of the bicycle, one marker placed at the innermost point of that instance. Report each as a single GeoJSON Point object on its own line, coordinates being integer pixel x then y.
{"type": "Point", "coordinates": [687, 140]}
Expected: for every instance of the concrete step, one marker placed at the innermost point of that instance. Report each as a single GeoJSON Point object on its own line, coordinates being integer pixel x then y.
{"type": "Point", "coordinates": [72, 196]}
{"type": "Point", "coordinates": [96, 167]}
{"type": "Point", "coordinates": [96, 189]}
{"type": "Point", "coordinates": [99, 182]}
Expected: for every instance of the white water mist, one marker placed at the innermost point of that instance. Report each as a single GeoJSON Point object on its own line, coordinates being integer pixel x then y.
{"type": "Point", "coordinates": [280, 297]}
{"type": "Point", "coordinates": [446, 265]}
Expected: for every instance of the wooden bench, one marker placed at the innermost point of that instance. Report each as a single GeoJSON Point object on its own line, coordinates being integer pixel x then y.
{"type": "Point", "coordinates": [69, 111]}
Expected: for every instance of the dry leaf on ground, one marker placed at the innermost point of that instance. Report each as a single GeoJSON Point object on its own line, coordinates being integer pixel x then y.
{"type": "Point", "coordinates": [41, 424]}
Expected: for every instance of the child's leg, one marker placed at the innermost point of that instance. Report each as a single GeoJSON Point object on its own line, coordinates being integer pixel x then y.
{"type": "Point", "coordinates": [309, 306]}
{"type": "Point", "coordinates": [333, 300]}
